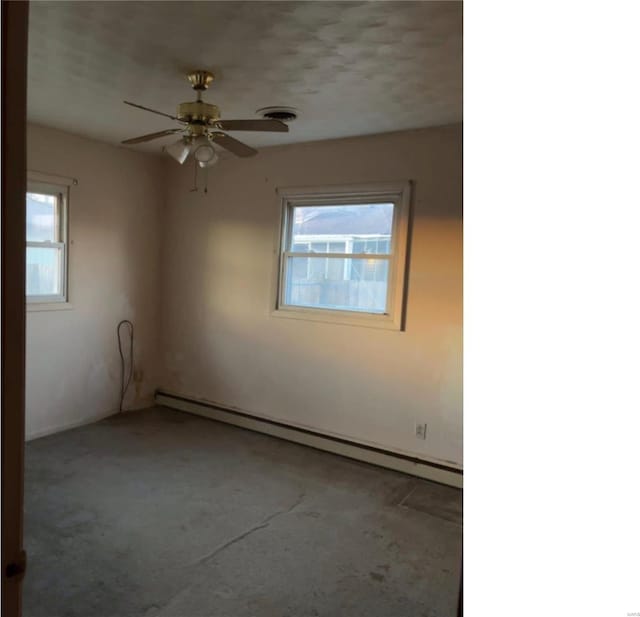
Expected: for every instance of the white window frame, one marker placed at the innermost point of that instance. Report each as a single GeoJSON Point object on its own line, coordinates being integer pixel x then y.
{"type": "Point", "coordinates": [398, 193]}
{"type": "Point", "coordinates": [61, 192]}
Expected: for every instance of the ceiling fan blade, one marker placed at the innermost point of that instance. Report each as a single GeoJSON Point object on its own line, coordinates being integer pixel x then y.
{"type": "Point", "coordinates": [150, 136]}
{"type": "Point", "coordinates": [160, 113]}
{"type": "Point", "coordinates": [233, 145]}
{"type": "Point", "coordinates": [252, 125]}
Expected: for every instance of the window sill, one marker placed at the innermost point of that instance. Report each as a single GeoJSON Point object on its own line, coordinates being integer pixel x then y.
{"type": "Point", "coordinates": [344, 318]}
{"type": "Point", "coordinates": [36, 307]}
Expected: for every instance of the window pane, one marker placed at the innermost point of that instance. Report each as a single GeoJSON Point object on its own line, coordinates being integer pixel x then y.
{"type": "Point", "coordinates": [339, 284]}
{"type": "Point", "coordinates": [359, 246]}
{"type": "Point", "coordinates": [335, 269]}
{"type": "Point", "coordinates": [369, 270]}
{"type": "Point", "coordinates": [44, 269]}
{"type": "Point", "coordinates": [42, 218]}
{"type": "Point", "coordinates": [316, 268]}
{"type": "Point", "coordinates": [300, 268]}
{"type": "Point", "coordinates": [343, 225]}
{"type": "Point", "coordinates": [378, 245]}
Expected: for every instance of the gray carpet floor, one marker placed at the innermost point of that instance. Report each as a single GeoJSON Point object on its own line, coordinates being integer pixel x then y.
{"type": "Point", "coordinates": [160, 513]}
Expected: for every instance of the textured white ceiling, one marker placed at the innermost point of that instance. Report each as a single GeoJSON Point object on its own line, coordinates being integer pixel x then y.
{"type": "Point", "coordinates": [350, 68]}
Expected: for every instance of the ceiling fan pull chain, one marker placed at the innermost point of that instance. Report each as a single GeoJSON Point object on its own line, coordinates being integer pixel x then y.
{"type": "Point", "coordinates": [195, 177]}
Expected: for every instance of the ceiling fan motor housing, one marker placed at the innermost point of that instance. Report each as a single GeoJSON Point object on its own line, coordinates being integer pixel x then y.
{"type": "Point", "coordinates": [198, 112]}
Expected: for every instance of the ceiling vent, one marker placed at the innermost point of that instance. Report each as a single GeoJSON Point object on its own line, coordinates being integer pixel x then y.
{"type": "Point", "coordinates": [284, 114]}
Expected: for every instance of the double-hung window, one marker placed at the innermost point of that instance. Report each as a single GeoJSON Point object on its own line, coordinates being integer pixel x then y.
{"type": "Point", "coordinates": [46, 267]}
{"type": "Point", "coordinates": [342, 254]}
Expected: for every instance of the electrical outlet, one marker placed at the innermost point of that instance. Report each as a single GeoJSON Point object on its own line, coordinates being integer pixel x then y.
{"type": "Point", "coordinates": [421, 430]}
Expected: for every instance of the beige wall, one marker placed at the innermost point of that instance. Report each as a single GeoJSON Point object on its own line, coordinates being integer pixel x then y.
{"type": "Point", "coordinates": [221, 344]}
{"type": "Point", "coordinates": [218, 340]}
{"type": "Point", "coordinates": [73, 367]}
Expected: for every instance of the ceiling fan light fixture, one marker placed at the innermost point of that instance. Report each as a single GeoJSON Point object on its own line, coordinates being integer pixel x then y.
{"type": "Point", "coordinates": [178, 150]}
{"type": "Point", "coordinates": [210, 163]}
{"type": "Point", "coordinates": [203, 151]}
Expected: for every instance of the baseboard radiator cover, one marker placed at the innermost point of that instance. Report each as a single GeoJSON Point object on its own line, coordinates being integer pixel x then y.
{"type": "Point", "coordinates": [343, 447]}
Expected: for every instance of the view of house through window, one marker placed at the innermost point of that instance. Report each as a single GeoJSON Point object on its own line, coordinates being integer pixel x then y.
{"type": "Point", "coordinates": [46, 246]}
{"type": "Point", "coordinates": [338, 257]}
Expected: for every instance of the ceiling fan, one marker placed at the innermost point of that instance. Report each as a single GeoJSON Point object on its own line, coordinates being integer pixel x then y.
{"type": "Point", "coordinates": [201, 127]}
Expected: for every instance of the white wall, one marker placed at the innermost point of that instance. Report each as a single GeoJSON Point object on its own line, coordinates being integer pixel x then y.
{"type": "Point", "coordinates": [221, 344]}
{"type": "Point", "coordinates": [73, 367]}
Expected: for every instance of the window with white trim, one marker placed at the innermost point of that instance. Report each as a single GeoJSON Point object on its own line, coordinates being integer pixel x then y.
{"type": "Point", "coordinates": [46, 267]}
{"type": "Point", "coordinates": [342, 254]}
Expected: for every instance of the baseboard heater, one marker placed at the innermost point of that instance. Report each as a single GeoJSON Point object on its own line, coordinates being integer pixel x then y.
{"type": "Point", "coordinates": [343, 447]}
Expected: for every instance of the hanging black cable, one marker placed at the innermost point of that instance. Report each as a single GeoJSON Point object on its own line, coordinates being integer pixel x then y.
{"type": "Point", "coordinates": [124, 385]}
